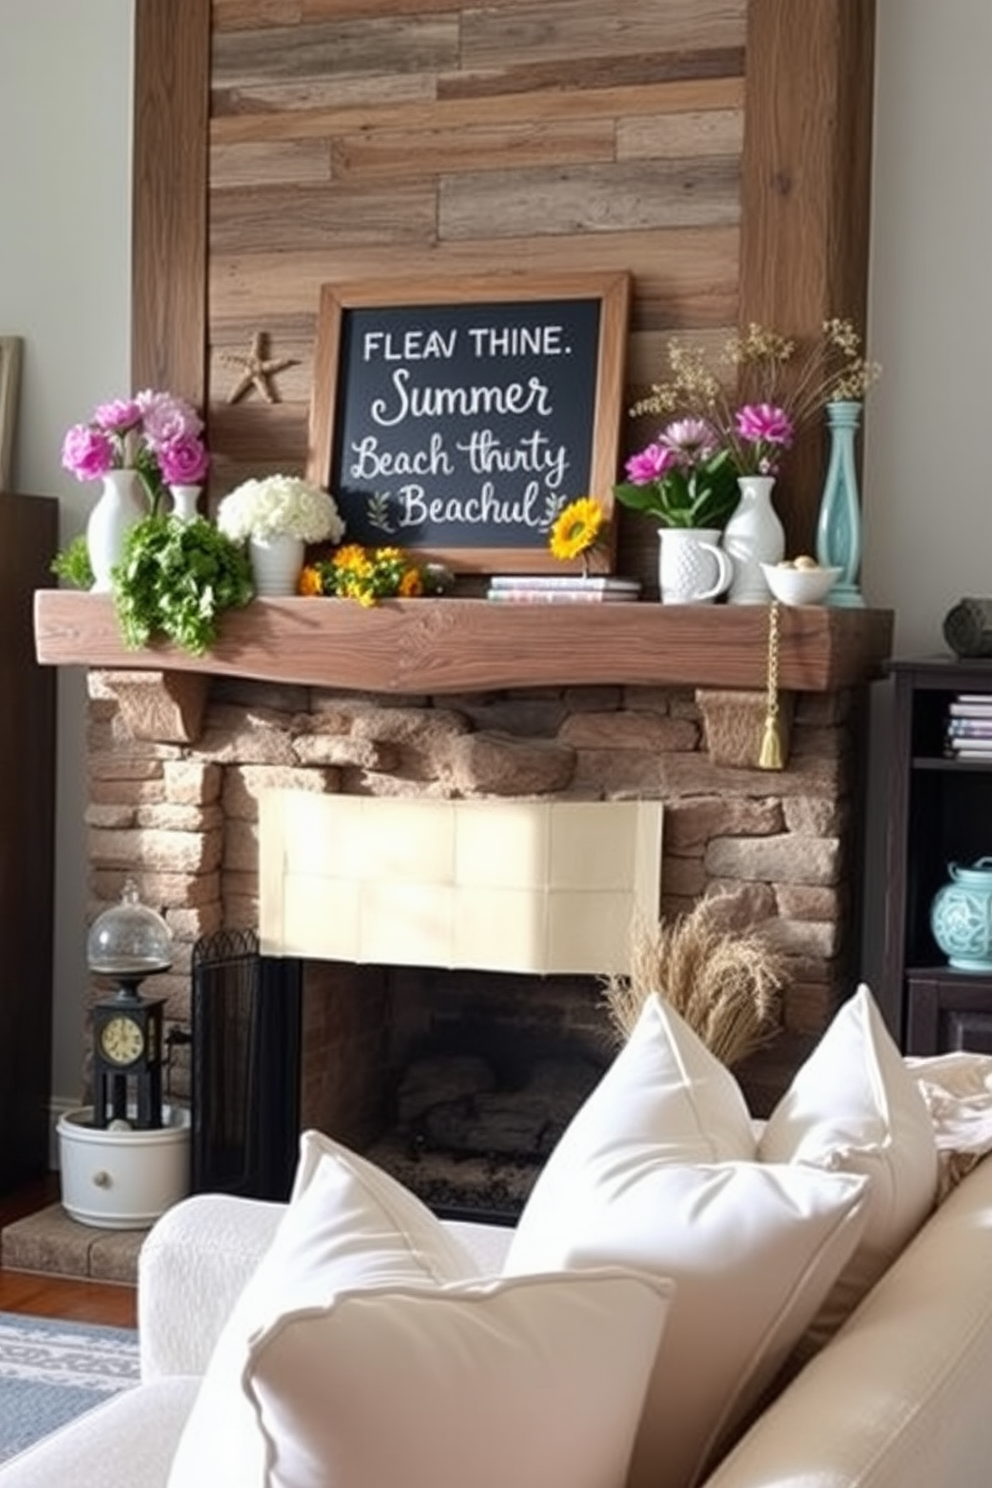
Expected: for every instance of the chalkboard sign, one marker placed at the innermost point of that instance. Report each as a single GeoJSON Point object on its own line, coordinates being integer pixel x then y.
{"type": "Point", "coordinates": [459, 417]}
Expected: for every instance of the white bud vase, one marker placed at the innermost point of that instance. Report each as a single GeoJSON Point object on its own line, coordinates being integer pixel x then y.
{"type": "Point", "coordinates": [753, 536]}
{"type": "Point", "coordinates": [122, 503]}
{"type": "Point", "coordinates": [184, 502]}
{"type": "Point", "coordinates": [276, 563]}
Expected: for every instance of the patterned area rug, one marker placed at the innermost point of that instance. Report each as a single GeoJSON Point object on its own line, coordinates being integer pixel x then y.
{"type": "Point", "coordinates": [51, 1371]}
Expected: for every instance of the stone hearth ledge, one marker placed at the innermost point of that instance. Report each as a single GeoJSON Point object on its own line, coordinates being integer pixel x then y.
{"type": "Point", "coordinates": [49, 1242]}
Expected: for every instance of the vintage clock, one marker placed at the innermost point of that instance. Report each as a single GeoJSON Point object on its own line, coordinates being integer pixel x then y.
{"type": "Point", "coordinates": [128, 943]}
{"type": "Point", "coordinates": [127, 1061]}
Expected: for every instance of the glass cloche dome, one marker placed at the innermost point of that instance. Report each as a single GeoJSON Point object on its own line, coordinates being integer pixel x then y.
{"type": "Point", "coordinates": [129, 941]}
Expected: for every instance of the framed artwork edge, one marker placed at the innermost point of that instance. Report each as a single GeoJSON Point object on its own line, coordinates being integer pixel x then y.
{"type": "Point", "coordinates": [10, 377]}
{"type": "Point", "coordinates": [613, 291]}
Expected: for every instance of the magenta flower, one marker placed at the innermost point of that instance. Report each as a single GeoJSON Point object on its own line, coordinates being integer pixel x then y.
{"type": "Point", "coordinates": [165, 418]}
{"type": "Point", "coordinates": [693, 440]}
{"type": "Point", "coordinates": [88, 453]}
{"type": "Point", "coordinates": [764, 423]}
{"type": "Point", "coordinates": [118, 416]}
{"type": "Point", "coordinates": [651, 464]}
{"type": "Point", "coordinates": [183, 461]}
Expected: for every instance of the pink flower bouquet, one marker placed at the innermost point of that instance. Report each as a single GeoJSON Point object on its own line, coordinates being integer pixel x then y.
{"type": "Point", "coordinates": [154, 433]}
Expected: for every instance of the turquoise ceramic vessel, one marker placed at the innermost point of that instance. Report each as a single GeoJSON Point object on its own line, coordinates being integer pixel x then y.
{"type": "Point", "coordinates": [838, 525]}
{"type": "Point", "coordinates": [961, 916]}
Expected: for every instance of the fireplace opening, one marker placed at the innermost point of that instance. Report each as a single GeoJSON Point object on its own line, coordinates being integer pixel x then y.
{"type": "Point", "coordinates": [484, 1071]}
{"type": "Point", "coordinates": [458, 1083]}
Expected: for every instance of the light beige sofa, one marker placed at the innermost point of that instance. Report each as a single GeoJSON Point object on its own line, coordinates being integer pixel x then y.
{"type": "Point", "coordinates": [898, 1399]}
{"type": "Point", "coordinates": [673, 1260]}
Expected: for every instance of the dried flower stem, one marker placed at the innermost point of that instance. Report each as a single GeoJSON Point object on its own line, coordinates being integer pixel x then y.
{"type": "Point", "coordinates": [725, 985]}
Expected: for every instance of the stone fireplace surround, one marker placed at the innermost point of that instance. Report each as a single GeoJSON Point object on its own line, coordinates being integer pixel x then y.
{"type": "Point", "coordinates": [178, 760]}
{"type": "Point", "coordinates": [182, 818]}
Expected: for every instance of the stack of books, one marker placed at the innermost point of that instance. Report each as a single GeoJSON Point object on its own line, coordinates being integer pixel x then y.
{"type": "Point", "coordinates": [969, 726]}
{"type": "Point", "coordinates": [561, 589]}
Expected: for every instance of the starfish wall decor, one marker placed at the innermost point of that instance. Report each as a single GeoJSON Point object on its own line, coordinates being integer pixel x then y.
{"type": "Point", "coordinates": [256, 370]}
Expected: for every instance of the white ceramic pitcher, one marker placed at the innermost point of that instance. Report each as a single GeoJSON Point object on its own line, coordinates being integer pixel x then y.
{"type": "Point", "coordinates": [692, 567]}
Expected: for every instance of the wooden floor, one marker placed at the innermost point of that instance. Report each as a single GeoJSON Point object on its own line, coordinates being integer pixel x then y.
{"type": "Point", "coordinates": [55, 1296]}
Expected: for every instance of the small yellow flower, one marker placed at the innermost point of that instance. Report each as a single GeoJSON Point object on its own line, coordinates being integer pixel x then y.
{"type": "Point", "coordinates": [577, 528]}
{"type": "Point", "coordinates": [351, 556]}
{"type": "Point", "coordinates": [367, 575]}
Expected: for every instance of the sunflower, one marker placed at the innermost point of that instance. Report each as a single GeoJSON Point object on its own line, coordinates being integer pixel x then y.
{"type": "Point", "coordinates": [577, 528]}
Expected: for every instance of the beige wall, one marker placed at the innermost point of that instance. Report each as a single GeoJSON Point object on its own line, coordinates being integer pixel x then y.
{"type": "Point", "coordinates": [65, 107]}
{"type": "Point", "coordinates": [928, 537]}
{"type": "Point", "coordinates": [64, 202]}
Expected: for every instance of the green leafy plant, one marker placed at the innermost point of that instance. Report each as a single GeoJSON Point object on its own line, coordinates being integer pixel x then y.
{"type": "Point", "coordinates": [176, 578]}
{"type": "Point", "coordinates": [72, 564]}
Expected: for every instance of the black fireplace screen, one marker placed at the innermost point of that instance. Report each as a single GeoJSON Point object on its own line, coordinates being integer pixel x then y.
{"type": "Point", "coordinates": [246, 1011]}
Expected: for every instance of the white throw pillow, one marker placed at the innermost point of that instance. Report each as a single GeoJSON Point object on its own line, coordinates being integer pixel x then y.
{"type": "Point", "coordinates": [855, 1107]}
{"type": "Point", "coordinates": [535, 1382]}
{"type": "Point", "coordinates": [664, 1093]}
{"type": "Point", "coordinates": [387, 1211]}
{"type": "Point", "coordinates": [753, 1249]}
{"type": "Point", "coordinates": [348, 1225]}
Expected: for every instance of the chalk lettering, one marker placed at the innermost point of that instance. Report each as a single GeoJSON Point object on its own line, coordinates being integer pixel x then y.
{"type": "Point", "coordinates": [372, 463]}
{"type": "Point", "coordinates": [532, 453]}
{"type": "Point", "coordinates": [516, 340]}
{"type": "Point", "coordinates": [486, 509]}
{"type": "Point", "coordinates": [408, 346]}
{"type": "Point", "coordinates": [434, 402]}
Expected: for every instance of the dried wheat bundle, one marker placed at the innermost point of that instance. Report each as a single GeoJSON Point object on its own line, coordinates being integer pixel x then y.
{"type": "Point", "coordinates": [725, 984]}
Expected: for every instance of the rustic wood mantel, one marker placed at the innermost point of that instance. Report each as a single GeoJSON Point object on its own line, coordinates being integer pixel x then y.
{"type": "Point", "coordinates": [470, 645]}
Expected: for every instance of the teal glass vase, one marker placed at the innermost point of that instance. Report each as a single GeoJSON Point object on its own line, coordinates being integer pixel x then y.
{"type": "Point", "coordinates": [838, 526]}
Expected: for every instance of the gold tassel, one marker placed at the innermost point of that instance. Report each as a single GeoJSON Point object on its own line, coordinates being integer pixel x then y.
{"type": "Point", "coordinates": [770, 756]}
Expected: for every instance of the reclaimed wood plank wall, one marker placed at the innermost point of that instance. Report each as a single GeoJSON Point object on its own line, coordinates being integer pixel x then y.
{"type": "Point", "coordinates": [371, 138]}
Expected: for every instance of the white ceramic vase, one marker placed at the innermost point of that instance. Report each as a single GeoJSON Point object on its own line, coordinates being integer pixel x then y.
{"type": "Point", "coordinates": [184, 502]}
{"type": "Point", "coordinates": [276, 563]}
{"type": "Point", "coordinates": [753, 536]}
{"type": "Point", "coordinates": [122, 503]}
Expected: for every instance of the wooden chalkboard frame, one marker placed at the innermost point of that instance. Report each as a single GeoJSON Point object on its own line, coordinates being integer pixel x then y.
{"type": "Point", "coordinates": [604, 369]}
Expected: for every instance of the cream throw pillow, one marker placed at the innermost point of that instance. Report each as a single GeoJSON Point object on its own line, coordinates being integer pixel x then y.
{"type": "Point", "coordinates": [665, 1095]}
{"type": "Point", "coordinates": [534, 1381]}
{"type": "Point", "coordinates": [348, 1225]}
{"type": "Point", "coordinates": [657, 1172]}
{"type": "Point", "coordinates": [855, 1107]}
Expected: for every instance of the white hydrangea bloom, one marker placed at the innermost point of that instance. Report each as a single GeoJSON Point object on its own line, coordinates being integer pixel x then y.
{"type": "Point", "coordinates": [280, 505]}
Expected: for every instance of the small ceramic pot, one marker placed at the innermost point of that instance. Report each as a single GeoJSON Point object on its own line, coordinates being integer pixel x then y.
{"type": "Point", "coordinates": [276, 563]}
{"type": "Point", "coordinates": [961, 916]}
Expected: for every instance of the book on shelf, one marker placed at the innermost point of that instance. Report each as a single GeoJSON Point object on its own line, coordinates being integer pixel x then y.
{"type": "Point", "coordinates": [969, 749]}
{"type": "Point", "coordinates": [562, 596]}
{"type": "Point", "coordinates": [565, 583]}
{"type": "Point", "coordinates": [969, 728]}
{"type": "Point", "coordinates": [965, 705]}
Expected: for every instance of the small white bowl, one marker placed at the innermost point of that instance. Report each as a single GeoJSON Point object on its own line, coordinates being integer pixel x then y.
{"type": "Point", "coordinates": [800, 586]}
